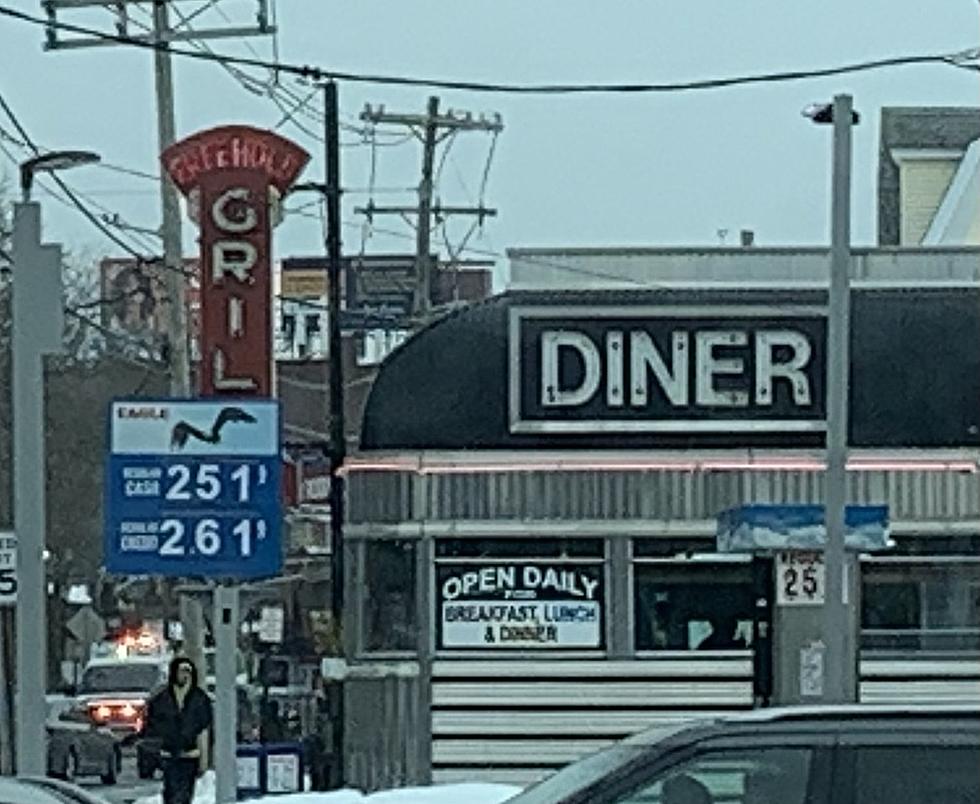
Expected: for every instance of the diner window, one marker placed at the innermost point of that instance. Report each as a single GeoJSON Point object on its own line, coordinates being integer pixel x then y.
{"type": "Point", "coordinates": [693, 605]}
{"type": "Point", "coordinates": [920, 604]}
{"type": "Point", "coordinates": [390, 622]}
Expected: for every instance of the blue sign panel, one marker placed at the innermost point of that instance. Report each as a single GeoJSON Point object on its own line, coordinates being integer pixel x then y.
{"type": "Point", "coordinates": [751, 528]}
{"type": "Point", "coordinates": [192, 488]}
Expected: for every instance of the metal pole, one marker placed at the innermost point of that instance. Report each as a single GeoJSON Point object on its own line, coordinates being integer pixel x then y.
{"type": "Point", "coordinates": [225, 697]}
{"type": "Point", "coordinates": [838, 680]}
{"type": "Point", "coordinates": [37, 329]}
{"type": "Point", "coordinates": [6, 748]}
{"type": "Point", "coordinates": [423, 262]}
{"type": "Point", "coordinates": [338, 446]}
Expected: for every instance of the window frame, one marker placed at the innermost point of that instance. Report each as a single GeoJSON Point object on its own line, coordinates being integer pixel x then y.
{"type": "Point", "coordinates": [697, 560]}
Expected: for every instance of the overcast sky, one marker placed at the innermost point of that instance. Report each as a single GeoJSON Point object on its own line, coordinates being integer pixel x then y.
{"type": "Point", "coordinates": [606, 170]}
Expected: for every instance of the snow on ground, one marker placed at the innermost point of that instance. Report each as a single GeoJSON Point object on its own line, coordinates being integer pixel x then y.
{"type": "Point", "coordinates": [437, 794]}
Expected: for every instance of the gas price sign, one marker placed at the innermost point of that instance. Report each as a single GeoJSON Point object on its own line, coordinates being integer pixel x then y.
{"type": "Point", "coordinates": [193, 488]}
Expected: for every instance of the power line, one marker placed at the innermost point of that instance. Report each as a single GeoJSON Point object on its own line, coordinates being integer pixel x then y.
{"type": "Point", "coordinates": [72, 195]}
{"type": "Point", "coordinates": [116, 336]}
{"type": "Point", "coordinates": [958, 59]}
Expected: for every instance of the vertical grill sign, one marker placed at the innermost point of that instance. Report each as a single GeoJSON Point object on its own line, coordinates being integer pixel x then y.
{"type": "Point", "coordinates": [234, 178]}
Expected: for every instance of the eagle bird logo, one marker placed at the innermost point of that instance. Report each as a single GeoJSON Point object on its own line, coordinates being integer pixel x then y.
{"type": "Point", "coordinates": [184, 430]}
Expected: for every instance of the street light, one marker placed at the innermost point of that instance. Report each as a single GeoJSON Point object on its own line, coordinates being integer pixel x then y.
{"type": "Point", "coordinates": [840, 679]}
{"type": "Point", "coordinates": [37, 330]}
{"type": "Point", "coordinates": [49, 163]}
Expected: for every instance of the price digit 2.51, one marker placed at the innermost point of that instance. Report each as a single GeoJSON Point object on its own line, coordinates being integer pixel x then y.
{"type": "Point", "coordinates": [184, 485]}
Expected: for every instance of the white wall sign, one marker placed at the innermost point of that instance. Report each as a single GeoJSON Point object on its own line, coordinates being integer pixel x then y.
{"type": "Point", "coordinates": [800, 578]}
{"type": "Point", "coordinates": [271, 624]}
{"type": "Point", "coordinates": [533, 605]}
{"type": "Point", "coordinates": [8, 568]}
{"type": "Point", "coordinates": [811, 670]}
{"type": "Point", "coordinates": [248, 772]}
{"type": "Point", "coordinates": [525, 624]}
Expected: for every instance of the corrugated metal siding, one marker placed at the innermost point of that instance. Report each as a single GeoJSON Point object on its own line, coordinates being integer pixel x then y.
{"type": "Point", "coordinates": [381, 497]}
{"type": "Point", "coordinates": [387, 497]}
{"type": "Point", "coordinates": [518, 721]}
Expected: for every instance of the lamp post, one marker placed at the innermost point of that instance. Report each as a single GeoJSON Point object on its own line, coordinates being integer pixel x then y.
{"type": "Point", "coordinates": [49, 163]}
{"type": "Point", "coordinates": [839, 647]}
{"type": "Point", "coordinates": [37, 330]}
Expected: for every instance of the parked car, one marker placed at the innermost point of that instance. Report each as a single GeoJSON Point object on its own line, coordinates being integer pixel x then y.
{"type": "Point", "coordinates": [827, 755]}
{"type": "Point", "coordinates": [79, 747]}
{"type": "Point", "coordinates": [28, 790]}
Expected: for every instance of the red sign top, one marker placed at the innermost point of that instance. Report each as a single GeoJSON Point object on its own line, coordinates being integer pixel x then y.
{"type": "Point", "coordinates": [233, 148]}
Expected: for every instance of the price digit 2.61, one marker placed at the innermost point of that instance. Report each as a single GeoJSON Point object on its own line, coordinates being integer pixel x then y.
{"type": "Point", "coordinates": [207, 538]}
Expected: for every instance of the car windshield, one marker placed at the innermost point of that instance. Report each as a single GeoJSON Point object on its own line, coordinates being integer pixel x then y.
{"type": "Point", "coordinates": [580, 775]}
{"type": "Point", "coordinates": [606, 764]}
{"type": "Point", "coordinates": [120, 678]}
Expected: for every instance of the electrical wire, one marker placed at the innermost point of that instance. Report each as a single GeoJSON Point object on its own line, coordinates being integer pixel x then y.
{"type": "Point", "coordinates": [958, 59]}
{"type": "Point", "coordinates": [71, 194]}
{"type": "Point", "coordinates": [7, 136]}
{"type": "Point", "coordinates": [74, 310]}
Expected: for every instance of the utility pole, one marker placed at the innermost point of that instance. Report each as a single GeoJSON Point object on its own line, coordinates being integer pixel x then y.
{"type": "Point", "coordinates": [190, 609]}
{"type": "Point", "coordinates": [173, 260]}
{"type": "Point", "coordinates": [338, 444]}
{"type": "Point", "coordinates": [423, 256]}
{"type": "Point", "coordinates": [432, 128]}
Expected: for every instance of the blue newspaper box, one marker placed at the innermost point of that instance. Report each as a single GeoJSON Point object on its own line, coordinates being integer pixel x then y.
{"type": "Point", "coordinates": [268, 769]}
{"type": "Point", "coordinates": [284, 768]}
{"type": "Point", "coordinates": [248, 763]}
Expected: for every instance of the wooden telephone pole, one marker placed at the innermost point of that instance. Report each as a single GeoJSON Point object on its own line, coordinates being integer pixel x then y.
{"type": "Point", "coordinates": [432, 128]}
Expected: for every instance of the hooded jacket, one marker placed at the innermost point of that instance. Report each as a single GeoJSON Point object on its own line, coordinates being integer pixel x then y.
{"type": "Point", "coordinates": [177, 727]}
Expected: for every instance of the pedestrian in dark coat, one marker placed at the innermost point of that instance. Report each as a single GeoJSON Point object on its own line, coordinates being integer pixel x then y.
{"type": "Point", "coordinates": [177, 716]}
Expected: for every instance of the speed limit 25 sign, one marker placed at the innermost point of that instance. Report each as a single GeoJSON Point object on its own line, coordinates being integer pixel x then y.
{"type": "Point", "coordinates": [193, 488]}
{"type": "Point", "coordinates": [800, 578]}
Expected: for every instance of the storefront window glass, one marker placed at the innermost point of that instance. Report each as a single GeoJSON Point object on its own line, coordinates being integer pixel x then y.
{"type": "Point", "coordinates": [682, 605]}
{"type": "Point", "coordinates": [920, 605]}
{"type": "Point", "coordinates": [390, 622]}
